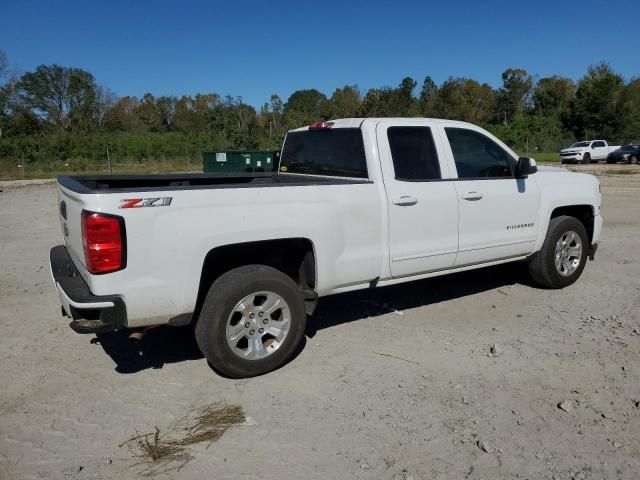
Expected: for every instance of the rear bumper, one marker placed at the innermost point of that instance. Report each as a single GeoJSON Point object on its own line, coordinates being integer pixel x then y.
{"type": "Point", "coordinates": [89, 313]}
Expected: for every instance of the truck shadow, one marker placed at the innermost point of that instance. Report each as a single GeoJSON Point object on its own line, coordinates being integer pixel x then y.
{"type": "Point", "coordinates": [159, 346]}
{"type": "Point", "coordinates": [348, 307]}
{"type": "Point", "coordinates": [166, 344]}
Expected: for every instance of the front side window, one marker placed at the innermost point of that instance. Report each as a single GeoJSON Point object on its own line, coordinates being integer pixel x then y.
{"type": "Point", "coordinates": [477, 156]}
{"type": "Point", "coordinates": [334, 151]}
{"type": "Point", "coordinates": [598, 144]}
{"type": "Point", "coordinates": [414, 153]}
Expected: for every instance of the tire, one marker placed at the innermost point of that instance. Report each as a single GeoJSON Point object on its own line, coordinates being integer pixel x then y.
{"type": "Point", "coordinates": [586, 159]}
{"type": "Point", "coordinates": [217, 321]}
{"type": "Point", "coordinates": [633, 160]}
{"type": "Point", "coordinates": [542, 264]}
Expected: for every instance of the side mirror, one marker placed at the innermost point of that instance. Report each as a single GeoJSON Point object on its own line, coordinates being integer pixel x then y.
{"type": "Point", "coordinates": [526, 166]}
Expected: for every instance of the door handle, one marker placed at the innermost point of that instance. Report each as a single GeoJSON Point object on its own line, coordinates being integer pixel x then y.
{"type": "Point", "coordinates": [405, 201]}
{"type": "Point", "coordinates": [472, 196]}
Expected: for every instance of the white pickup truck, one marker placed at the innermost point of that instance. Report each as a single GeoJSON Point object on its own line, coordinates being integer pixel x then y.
{"type": "Point", "coordinates": [356, 203]}
{"type": "Point", "coordinates": [587, 152]}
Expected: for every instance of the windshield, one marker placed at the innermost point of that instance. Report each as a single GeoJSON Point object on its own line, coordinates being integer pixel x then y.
{"type": "Point", "coordinates": [336, 152]}
{"type": "Point", "coordinates": [580, 144]}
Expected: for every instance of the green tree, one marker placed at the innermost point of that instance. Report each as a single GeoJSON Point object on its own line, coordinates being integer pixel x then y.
{"type": "Point", "coordinates": [427, 94]}
{"type": "Point", "coordinates": [593, 111]}
{"type": "Point", "coordinates": [64, 97]}
{"type": "Point", "coordinates": [122, 116]}
{"type": "Point", "coordinates": [464, 99]}
{"type": "Point", "coordinates": [553, 95]}
{"type": "Point", "coordinates": [515, 94]}
{"type": "Point", "coordinates": [344, 103]}
{"type": "Point", "coordinates": [628, 111]}
{"type": "Point", "coordinates": [304, 107]}
{"type": "Point", "coordinates": [405, 103]}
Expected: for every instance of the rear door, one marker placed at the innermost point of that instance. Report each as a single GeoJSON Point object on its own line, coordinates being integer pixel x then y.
{"type": "Point", "coordinates": [498, 213]}
{"type": "Point", "coordinates": [423, 205]}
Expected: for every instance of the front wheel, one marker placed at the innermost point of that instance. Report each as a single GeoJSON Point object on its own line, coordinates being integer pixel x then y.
{"type": "Point", "coordinates": [586, 159]}
{"type": "Point", "coordinates": [252, 321]}
{"type": "Point", "coordinates": [563, 255]}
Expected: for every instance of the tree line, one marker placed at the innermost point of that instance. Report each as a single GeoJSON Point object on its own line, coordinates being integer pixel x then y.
{"type": "Point", "coordinates": [57, 113]}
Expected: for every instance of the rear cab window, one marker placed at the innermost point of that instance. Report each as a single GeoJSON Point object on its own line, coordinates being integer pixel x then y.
{"type": "Point", "coordinates": [413, 152]}
{"type": "Point", "coordinates": [336, 152]}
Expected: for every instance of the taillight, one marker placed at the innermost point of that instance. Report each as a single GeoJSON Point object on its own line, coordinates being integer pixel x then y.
{"type": "Point", "coordinates": [320, 125]}
{"type": "Point", "coordinates": [103, 239]}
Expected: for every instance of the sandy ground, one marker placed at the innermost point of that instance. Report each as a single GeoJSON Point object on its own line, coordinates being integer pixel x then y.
{"type": "Point", "coordinates": [345, 407]}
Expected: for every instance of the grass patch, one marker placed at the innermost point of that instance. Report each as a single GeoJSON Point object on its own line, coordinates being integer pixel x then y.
{"type": "Point", "coordinates": [546, 157]}
{"type": "Point", "coordinates": [620, 171]}
{"type": "Point", "coordinates": [9, 169]}
{"type": "Point", "coordinates": [166, 450]}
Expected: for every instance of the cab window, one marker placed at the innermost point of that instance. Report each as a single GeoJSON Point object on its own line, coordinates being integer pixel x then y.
{"type": "Point", "coordinates": [477, 156]}
{"type": "Point", "coordinates": [414, 154]}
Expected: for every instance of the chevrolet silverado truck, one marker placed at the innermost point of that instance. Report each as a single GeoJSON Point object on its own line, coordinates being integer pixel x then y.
{"type": "Point", "coordinates": [355, 204]}
{"type": "Point", "coordinates": [587, 152]}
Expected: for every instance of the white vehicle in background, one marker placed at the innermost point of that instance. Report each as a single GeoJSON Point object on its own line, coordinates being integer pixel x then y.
{"type": "Point", "coordinates": [355, 204]}
{"type": "Point", "coordinates": [587, 152]}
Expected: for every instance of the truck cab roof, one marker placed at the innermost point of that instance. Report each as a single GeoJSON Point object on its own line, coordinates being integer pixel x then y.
{"type": "Point", "coordinates": [357, 122]}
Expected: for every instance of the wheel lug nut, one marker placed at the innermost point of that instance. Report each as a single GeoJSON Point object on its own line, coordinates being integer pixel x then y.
{"type": "Point", "coordinates": [251, 315]}
{"type": "Point", "coordinates": [251, 332]}
{"type": "Point", "coordinates": [265, 321]}
{"type": "Point", "coordinates": [247, 325]}
{"type": "Point", "coordinates": [260, 330]}
{"type": "Point", "coordinates": [260, 314]}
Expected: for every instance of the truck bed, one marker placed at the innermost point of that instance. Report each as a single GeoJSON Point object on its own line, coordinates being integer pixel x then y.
{"type": "Point", "coordinates": [191, 181]}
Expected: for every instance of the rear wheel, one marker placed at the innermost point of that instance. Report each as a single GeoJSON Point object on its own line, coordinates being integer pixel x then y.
{"type": "Point", "coordinates": [586, 159]}
{"type": "Point", "coordinates": [252, 321]}
{"type": "Point", "coordinates": [563, 255]}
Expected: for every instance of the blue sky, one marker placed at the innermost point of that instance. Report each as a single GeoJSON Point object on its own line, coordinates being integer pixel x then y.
{"type": "Point", "coordinates": [253, 49]}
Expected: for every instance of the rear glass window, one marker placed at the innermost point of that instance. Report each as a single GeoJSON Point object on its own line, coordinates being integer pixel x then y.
{"type": "Point", "coordinates": [337, 152]}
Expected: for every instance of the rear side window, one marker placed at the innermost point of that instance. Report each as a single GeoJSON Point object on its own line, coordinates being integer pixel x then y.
{"type": "Point", "coordinates": [414, 153]}
{"type": "Point", "coordinates": [477, 156]}
{"type": "Point", "coordinates": [336, 152]}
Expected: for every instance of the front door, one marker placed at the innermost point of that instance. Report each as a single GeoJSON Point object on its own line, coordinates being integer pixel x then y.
{"type": "Point", "coordinates": [599, 150]}
{"type": "Point", "coordinates": [498, 213]}
{"type": "Point", "coordinates": [423, 205]}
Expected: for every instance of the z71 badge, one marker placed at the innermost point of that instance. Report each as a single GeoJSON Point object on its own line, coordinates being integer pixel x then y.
{"type": "Point", "coordinates": [145, 202]}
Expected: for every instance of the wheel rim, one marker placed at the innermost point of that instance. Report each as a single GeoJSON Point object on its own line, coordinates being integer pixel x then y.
{"type": "Point", "coordinates": [258, 325]}
{"type": "Point", "coordinates": [633, 160]}
{"type": "Point", "coordinates": [568, 253]}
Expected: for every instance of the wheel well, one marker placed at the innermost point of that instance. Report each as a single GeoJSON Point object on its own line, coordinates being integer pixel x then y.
{"type": "Point", "coordinates": [292, 256]}
{"type": "Point", "coordinates": [584, 213]}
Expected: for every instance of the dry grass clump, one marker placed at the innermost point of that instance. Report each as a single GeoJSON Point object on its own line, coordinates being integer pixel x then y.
{"type": "Point", "coordinates": [163, 452]}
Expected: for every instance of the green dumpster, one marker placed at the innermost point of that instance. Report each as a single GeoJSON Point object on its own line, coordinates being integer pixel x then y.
{"type": "Point", "coordinates": [238, 161]}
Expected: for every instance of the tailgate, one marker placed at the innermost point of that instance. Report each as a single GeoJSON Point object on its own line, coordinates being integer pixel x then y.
{"type": "Point", "coordinates": [70, 206]}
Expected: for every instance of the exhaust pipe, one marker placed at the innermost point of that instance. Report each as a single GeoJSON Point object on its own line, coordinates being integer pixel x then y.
{"type": "Point", "coordinates": [138, 334]}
